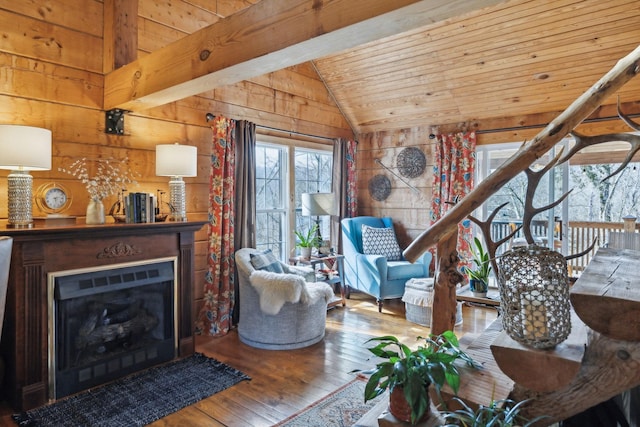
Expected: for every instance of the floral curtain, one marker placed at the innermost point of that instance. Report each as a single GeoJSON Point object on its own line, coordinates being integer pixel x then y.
{"type": "Point", "coordinates": [454, 164]}
{"type": "Point", "coordinates": [215, 318]}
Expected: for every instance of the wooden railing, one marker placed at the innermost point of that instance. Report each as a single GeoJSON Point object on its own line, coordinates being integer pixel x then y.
{"type": "Point", "coordinates": [581, 235]}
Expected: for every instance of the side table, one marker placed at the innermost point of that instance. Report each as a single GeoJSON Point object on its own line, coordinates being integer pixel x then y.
{"type": "Point", "coordinates": [331, 261]}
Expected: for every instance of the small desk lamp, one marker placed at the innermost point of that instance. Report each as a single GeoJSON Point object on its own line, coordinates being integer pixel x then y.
{"type": "Point", "coordinates": [23, 149]}
{"type": "Point", "coordinates": [318, 204]}
{"type": "Point", "coordinates": [177, 161]}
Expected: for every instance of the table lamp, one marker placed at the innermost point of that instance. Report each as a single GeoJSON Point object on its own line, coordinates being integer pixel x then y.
{"type": "Point", "coordinates": [177, 161]}
{"type": "Point", "coordinates": [318, 204]}
{"type": "Point", "coordinates": [23, 149]}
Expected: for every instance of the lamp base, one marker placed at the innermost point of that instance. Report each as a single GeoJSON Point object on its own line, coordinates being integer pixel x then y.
{"type": "Point", "coordinates": [177, 199]}
{"type": "Point", "coordinates": [19, 185]}
{"type": "Point", "coordinates": [29, 225]}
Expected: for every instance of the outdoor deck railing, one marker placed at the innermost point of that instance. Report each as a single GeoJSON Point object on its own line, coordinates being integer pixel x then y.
{"type": "Point", "coordinates": [581, 235]}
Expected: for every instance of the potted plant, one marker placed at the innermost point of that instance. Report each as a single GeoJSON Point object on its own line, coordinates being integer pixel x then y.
{"type": "Point", "coordinates": [307, 240]}
{"type": "Point", "coordinates": [479, 278]}
{"type": "Point", "coordinates": [408, 373]}
{"type": "Point", "coordinates": [499, 413]}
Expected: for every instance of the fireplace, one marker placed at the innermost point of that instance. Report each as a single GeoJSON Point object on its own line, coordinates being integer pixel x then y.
{"type": "Point", "coordinates": [42, 286]}
{"type": "Point", "coordinates": [110, 322]}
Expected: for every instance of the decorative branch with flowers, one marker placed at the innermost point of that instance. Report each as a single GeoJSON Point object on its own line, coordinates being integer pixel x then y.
{"type": "Point", "coordinates": [109, 179]}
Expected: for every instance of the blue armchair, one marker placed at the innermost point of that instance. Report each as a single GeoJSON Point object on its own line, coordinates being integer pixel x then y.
{"type": "Point", "coordinates": [374, 274]}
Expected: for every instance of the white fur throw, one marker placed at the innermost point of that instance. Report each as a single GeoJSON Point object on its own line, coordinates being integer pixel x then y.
{"type": "Point", "coordinates": [275, 289]}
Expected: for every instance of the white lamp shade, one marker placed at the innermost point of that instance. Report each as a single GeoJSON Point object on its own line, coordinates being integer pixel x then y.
{"type": "Point", "coordinates": [25, 148]}
{"type": "Point", "coordinates": [176, 160]}
{"type": "Point", "coordinates": [318, 204]}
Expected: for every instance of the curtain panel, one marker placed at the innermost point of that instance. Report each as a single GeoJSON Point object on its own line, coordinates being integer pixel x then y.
{"type": "Point", "coordinates": [215, 317]}
{"type": "Point", "coordinates": [453, 170]}
{"type": "Point", "coordinates": [344, 183]}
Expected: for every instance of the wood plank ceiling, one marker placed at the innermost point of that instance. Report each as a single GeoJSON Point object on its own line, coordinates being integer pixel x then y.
{"type": "Point", "coordinates": [518, 63]}
{"type": "Point", "coordinates": [519, 58]}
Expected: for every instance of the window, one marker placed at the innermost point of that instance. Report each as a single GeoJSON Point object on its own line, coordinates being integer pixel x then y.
{"type": "Point", "coordinates": [271, 200]}
{"type": "Point", "coordinates": [278, 192]}
{"type": "Point", "coordinates": [546, 226]}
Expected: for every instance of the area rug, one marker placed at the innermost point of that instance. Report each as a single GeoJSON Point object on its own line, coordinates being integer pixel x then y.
{"type": "Point", "coordinates": [138, 399]}
{"type": "Point", "coordinates": [341, 408]}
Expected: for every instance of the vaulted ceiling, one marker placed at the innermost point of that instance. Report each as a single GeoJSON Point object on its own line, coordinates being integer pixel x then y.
{"type": "Point", "coordinates": [515, 59]}
{"type": "Point", "coordinates": [504, 63]}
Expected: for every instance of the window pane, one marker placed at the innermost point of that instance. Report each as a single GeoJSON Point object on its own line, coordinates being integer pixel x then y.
{"type": "Point", "coordinates": [312, 173]}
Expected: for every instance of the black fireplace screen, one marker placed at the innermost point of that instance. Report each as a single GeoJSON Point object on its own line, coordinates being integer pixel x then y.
{"type": "Point", "coordinates": [111, 323]}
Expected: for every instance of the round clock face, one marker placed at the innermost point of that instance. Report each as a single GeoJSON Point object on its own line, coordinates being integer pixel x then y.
{"type": "Point", "coordinates": [55, 198]}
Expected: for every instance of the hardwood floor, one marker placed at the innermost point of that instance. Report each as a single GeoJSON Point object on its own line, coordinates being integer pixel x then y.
{"type": "Point", "coordinates": [284, 382]}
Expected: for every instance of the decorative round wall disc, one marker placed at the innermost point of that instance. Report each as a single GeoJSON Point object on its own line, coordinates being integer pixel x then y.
{"type": "Point", "coordinates": [379, 187]}
{"type": "Point", "coordinates": [411, 162]}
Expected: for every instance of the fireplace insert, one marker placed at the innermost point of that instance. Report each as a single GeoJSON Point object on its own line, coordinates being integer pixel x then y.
{"type": "Point", "coordinates": [108, 323]}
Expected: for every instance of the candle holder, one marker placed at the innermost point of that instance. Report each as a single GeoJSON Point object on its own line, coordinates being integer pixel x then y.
{"type": "Point", "coordinates": [534, 293]}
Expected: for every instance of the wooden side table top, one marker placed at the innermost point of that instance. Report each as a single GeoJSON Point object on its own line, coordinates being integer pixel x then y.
{"type": "Point", "coordinates": [492, 298]}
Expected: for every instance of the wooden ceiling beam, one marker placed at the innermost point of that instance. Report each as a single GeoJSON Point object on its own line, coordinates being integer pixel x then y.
{"type": "Point", "coordinates": [268, 36]}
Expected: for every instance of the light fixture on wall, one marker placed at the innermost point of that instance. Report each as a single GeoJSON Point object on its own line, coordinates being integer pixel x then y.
{"type": "Point", "coordinates": [177, 161]}
{"type": "Point", "coordinates": [23, 149]}
{"type": "Point", "coordinates": [318, 204]}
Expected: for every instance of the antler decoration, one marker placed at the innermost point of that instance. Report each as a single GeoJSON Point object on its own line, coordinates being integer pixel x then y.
{"type": "Point", "coordinates": [485, 227]}
{"type": "Point", "coordinates": [583, 141]}
{"type": "Point", "coordinates": [533, 179]}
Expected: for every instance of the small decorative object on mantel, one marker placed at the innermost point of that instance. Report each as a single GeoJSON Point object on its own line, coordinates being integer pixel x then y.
{"type": "Point", "coordinates": [534, 292]}
{"type": "Point", "coordinates": [109, 179]}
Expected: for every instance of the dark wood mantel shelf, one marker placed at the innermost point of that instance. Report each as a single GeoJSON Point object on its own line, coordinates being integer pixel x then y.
{"type": "Point", "coordinates": [39, 251]}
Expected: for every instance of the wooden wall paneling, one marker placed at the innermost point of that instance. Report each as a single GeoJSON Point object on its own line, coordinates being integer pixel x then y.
{"type": "Point", "coordinates": [181, 15]}
{"type": "Point", "coordinates": [48, 42]}
{"type": "Point", "coordinates": [290, 81]}
{"type": "Point", "coordinates": [83, 16]}
{"type": "Point", "coordinates": [153, 36]}
{"type": "Point", "coordinates": [410, 209]}
{"type": "Point", "coordinates": [224, 8]}
{"type": "Point", "coordinates": [31, 78]}
{"type": "Point", "coordinates": [308, 110]}
{"type": "Point", "coordinates": [277, 121]}
{"type": "Point", "coordinates": [248, 94]}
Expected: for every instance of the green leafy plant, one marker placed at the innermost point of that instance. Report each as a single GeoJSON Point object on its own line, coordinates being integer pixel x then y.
{"type": "Point", "coordinates": [481, 261]}
{"type": "Point", "coordinates": [308, 240]}
{"type": "Point", "coordinates": [499, 413]}
{"type": "Point", "coordinates": [413, 370]}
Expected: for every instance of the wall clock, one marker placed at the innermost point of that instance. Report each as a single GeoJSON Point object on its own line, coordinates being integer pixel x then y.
{"type": "Point", "coordinates": [53, 198]}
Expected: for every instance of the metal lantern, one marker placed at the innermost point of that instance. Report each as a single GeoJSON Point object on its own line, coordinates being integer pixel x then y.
{"type": "Point", "coordinates": [534, 293]}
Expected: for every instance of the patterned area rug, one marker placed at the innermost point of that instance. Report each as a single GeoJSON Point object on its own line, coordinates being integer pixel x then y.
{"type": "Point", "coordinates": [138, 399]}
{"type": "Point", "coordinates": [341, 408]}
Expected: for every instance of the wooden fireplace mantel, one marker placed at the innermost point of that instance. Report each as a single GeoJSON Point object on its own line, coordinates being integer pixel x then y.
{"type": "Point", "coordinates": [38, 251]}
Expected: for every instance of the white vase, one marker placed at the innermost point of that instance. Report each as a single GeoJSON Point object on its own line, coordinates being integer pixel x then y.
{"type": "Point", "coordinates": [95, 212]}
{"type": "Point", "coordinates": [305, 253]}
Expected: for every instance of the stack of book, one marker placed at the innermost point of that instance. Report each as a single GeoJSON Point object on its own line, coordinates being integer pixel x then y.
{"type": "Point", "coordinates": [140, 207]}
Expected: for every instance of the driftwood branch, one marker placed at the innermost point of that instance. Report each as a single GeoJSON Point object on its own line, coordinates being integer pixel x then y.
{"type": "Point", "coordinates": [609, 366]}
{"type": "Point", "coordinates": [627, 68]}
{"type": "Point", "coordinates": [444, 289]}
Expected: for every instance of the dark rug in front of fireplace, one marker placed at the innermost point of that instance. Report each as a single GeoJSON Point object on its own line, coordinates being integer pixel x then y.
{"type": "Point", "coordinates": [138, 399]}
